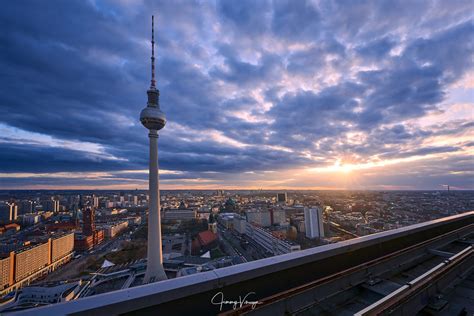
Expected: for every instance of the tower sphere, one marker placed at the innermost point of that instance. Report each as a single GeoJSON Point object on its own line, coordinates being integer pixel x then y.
{"type": "Point", "coordinates": [152, 118]}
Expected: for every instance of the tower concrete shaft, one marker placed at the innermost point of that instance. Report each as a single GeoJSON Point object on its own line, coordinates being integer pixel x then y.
{"type": "Point", "coordinates": [154, 271]}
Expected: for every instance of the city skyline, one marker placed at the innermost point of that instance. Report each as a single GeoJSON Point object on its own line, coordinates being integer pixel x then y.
{"type": "Point", "coordinates": [272, 95]}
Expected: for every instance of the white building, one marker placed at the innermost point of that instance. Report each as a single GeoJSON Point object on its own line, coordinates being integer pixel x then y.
{"type": "Point", "coordinates": [264, 237]}
{"type": "Point", "coordinates": [239, 224]}
{"type": "Point", "coordinates": [268, 241]}
{"type": "Point", "coordinates": [313, 222]}
{"type": "Point", "coordinates": [41, 295]}
{"type": "Point", "coordinates": [266, 217]}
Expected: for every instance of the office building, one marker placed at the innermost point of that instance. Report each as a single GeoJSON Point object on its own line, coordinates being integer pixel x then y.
{"type": "Point", "coordinates": [266, 217]}
{"type": "Point", "coordinates": [282, 197]}
{"type": "Point", "coordinates": [313, 220]}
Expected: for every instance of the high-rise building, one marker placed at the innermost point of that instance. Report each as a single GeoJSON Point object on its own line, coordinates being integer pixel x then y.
{"type": "Point", "coordinates": [154, 120]}
{"type": "Point", "coordinates": [282, 197]}
{"type": "Point", "coordinates": [135, 200]}
{"type": "Point", "coordinates": [95, 201]}
{"type": "Point", "coordinates": [8, 212]}
{"type": "Point", "coordinates": [313, 221]}
{"type": "Point", "coordinates": [51, 205]}
{"type": "Point", "coordinates": [88, 218]}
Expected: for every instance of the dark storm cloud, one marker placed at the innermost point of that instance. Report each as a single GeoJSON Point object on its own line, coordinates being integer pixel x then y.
{"type": "Point", "coordinates": [405, 92]}
{"type": "Point", "coordinates": [242, 73]}
{"type": "Point", "coordinates": [376, 49]}
{"type": "Point", "coordinates": [310, 116]}
{"type": "Point", "coordinates": [450, 50]}
{"type": "Point", "coordinates": [78, 71]}
{"type": "Point", "coordinates": [250, 17]}
{"type": "Point", "coordinates": [42, 159]}
{"type": "Point", "coordinates": [296, 20]}
{"type": "Point", "coordinates": [311, 60]}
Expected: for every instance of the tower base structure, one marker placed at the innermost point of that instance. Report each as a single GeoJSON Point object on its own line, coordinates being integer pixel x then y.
{"type": "Point", "coordinates": [154, 274]}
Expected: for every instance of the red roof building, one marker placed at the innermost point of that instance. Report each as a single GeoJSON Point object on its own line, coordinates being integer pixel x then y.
{"type": "Point", "coordinates": [204, 241]}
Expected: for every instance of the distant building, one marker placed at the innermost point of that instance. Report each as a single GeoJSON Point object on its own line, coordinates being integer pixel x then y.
{"type": "Point", "coordinates": [88, 219]}
{"type": "Point", "coordinates": [212, 224]}
{"type": "Point", "coordinates": [112, 230]}
{"type": "Point", "coordinates": [229, 206]}
{"type": "Point", "coordinates": [9, 229]}
{"type": "Point", "coordinates": [239, 224]}
{"type": "Point", "coordinates": [266, 217]}
{"type": "Point", "coordinates": [71, 224]}
{"type": "Point", "coordinates": [179, 214]}
{"type": "Point", "coordinates": [25, 207]}
{"type": "Point", "coordinates": [95, 201]}
{"type": "Point", "coordinates": [226, 219]}
{"type": "Point", "coordinates": [313, 220]}
{"type": "Point", "coordinates": [50, 205]}
{"type": "Point", "coordinates": [8, 212]}
{"type": "Point", "coordinates": [270, 240]}
{"type": "Point", "coordinates": [282, 197]}
{"type": "Point", "coordinates": [85, 243]}
{"type": "Point", "coordinates": [134, 220]}
{"type": "Point", "coordinates": [90, 236]}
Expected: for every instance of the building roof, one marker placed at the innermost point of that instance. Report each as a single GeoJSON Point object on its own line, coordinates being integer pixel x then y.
{"type": "Point", "coordinates": [206, 237]}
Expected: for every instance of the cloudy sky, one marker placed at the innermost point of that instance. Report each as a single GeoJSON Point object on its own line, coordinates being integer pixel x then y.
{"type": "Point", "coordinates": [258, 94]}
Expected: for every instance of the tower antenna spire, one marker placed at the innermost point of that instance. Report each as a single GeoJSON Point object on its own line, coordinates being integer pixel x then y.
{"type": "Point", "coordinates": [153, 52]}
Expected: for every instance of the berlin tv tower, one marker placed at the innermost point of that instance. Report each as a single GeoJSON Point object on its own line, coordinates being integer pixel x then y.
{"type": "Point", "coordinates": [154, 120]}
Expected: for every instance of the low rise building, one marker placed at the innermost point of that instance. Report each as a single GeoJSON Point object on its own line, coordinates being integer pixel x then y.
{"type": "Point", "coordinates": [84, 243]}
{"type": "Point", "coordinates": [267, 240]}
{"type": "Point", "coordinates": [112, 230]}
{"type": "Point", "coordinates": [31, 219]}
{"type": "Point", "coordinates": [179, 214]}
{"type": "Point", "coordinates": [135, 220]}
{"type": "Point", "coordinates": [204, 241]}
{"type": "Point", "coordinates": [42, 295]}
